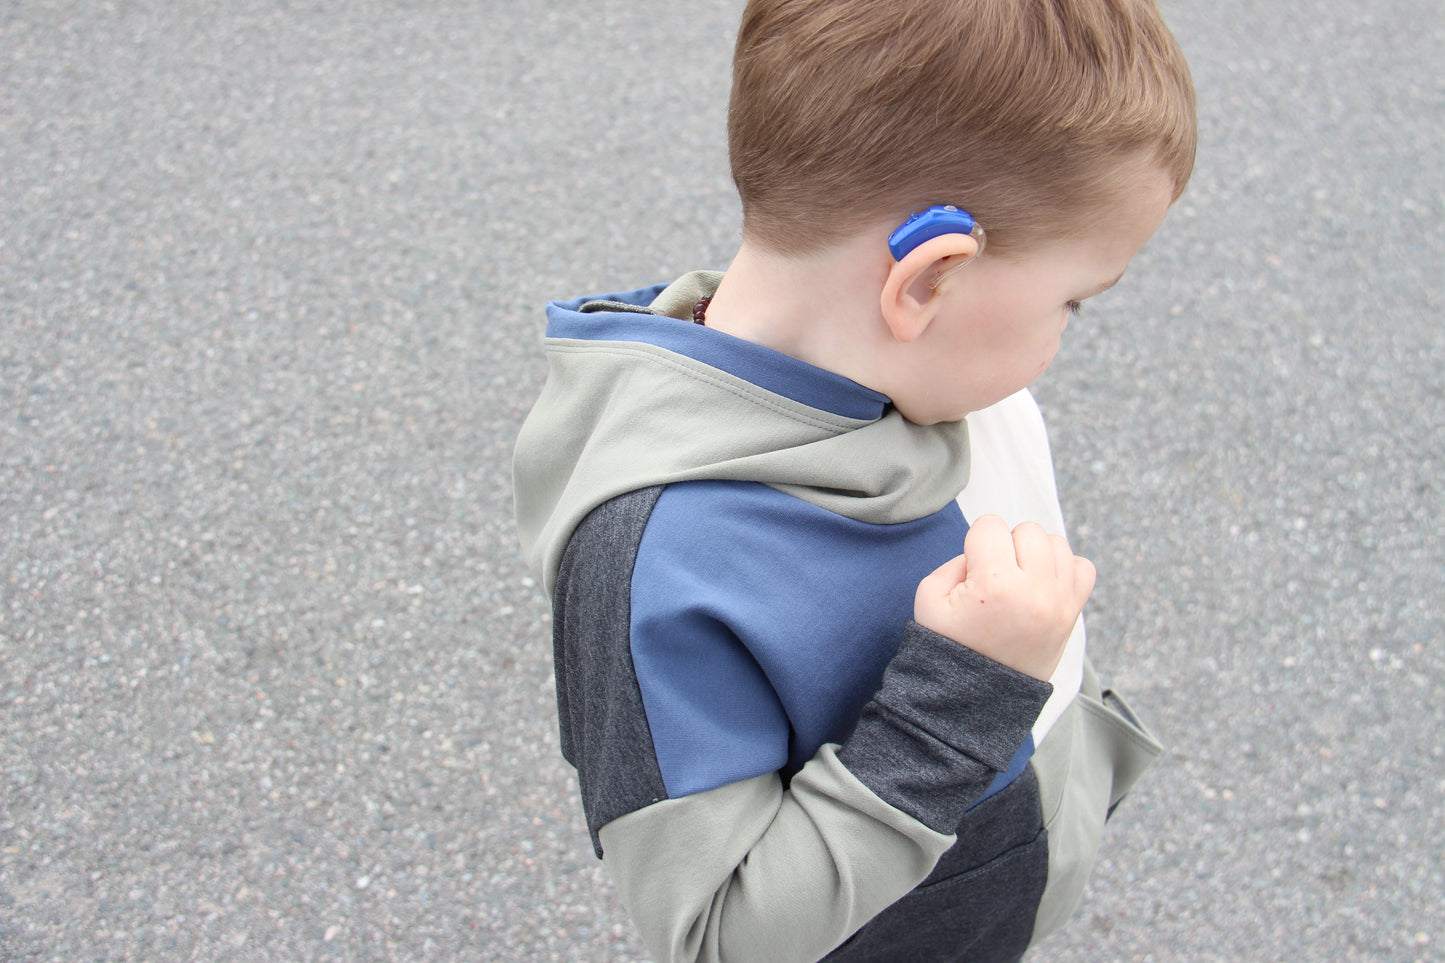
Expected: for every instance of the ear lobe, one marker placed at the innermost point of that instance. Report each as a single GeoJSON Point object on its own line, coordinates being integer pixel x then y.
{"type": "Point", "coordinates": [908, 301]}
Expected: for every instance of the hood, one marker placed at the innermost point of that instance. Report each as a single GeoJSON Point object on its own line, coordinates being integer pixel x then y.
{"type": "Point", "coordinates": [637, 395]}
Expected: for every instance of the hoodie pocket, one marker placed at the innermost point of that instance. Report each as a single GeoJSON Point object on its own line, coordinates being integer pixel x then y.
{"type": "Point", "coordinates": [1091, 758]}
{"type": "Point", "coordinates": [1131, 748]}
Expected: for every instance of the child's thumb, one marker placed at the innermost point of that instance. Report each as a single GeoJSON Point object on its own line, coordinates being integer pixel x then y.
{"type": "Point", "coordinates": [942, 580]}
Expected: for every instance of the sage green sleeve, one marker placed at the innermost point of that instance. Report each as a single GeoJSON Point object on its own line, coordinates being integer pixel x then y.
{"type": "Point", "coordinates": [749, 871]}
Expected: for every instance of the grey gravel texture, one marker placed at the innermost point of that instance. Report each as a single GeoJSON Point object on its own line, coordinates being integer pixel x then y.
{"type": "Point", "coordinates": [274, 684]}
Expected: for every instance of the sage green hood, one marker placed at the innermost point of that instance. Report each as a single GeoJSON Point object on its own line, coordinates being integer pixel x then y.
{"type": "Point", "coordinates": [627, 405]}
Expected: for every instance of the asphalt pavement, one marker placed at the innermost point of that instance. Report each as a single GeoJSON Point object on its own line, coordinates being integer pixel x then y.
{"type": "Point", "coordinates": [274, 683]}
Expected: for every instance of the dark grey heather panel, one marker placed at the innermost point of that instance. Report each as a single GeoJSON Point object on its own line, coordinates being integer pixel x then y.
{"type": "Point", "coordinates": [943, 723]}
{"type": "Point", "coordinates": [599, 705]}
{"type": "Point", "coordinates": [967, 910]}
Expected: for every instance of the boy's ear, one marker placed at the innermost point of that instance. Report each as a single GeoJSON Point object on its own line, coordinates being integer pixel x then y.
{"type": "Point", "coordinates": [908, 301]}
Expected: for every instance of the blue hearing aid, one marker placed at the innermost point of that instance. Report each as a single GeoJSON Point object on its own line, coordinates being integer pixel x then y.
{"type": "Point", "coordinates": [936, 221]}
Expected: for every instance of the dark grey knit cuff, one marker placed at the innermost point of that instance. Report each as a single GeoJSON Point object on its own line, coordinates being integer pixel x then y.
{"type": "Point", "coordinates": [944, 722]}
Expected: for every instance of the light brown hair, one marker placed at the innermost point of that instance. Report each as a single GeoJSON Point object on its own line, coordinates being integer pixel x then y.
{"type": "Point", "coordinates": [845, 112]}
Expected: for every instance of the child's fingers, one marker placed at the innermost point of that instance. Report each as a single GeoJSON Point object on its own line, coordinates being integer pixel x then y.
{"type": "Point", "coordinates": [1084, 577]}
{"type": "Point", "coordinates": [989, 545]}
{"type": "Point", "coordinates": [1049, 556]}
{"type": "Point", "coordinates": [1065, 561]}
{"type": "Point", "coordinates": [1035, 550]}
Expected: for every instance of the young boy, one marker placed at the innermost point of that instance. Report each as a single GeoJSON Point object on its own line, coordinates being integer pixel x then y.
{"type": "Point", "coordinates": [804, 725]}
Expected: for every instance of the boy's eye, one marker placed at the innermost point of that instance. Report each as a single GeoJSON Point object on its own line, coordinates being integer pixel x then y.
{"type": "Point", "coordinates": [1076, 307]}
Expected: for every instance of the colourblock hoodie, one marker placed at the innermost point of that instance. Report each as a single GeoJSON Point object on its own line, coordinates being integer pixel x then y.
{"type": "Point", "coordinates": [775, 762]}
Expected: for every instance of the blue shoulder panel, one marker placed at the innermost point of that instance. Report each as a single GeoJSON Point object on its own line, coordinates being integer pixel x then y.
{"type": "Point", "coordinates": [761, 624]}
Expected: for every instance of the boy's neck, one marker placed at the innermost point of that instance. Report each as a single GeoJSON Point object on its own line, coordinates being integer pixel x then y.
{"type": "Point", "coordinates": [821, 308]}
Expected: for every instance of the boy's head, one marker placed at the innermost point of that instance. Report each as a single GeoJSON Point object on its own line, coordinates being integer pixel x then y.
{"type": "Point", "coordinates": [846, 113]}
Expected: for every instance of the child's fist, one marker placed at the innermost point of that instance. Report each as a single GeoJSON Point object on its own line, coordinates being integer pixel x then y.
{"type": "Point", "coordinates": [1011, 596]}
